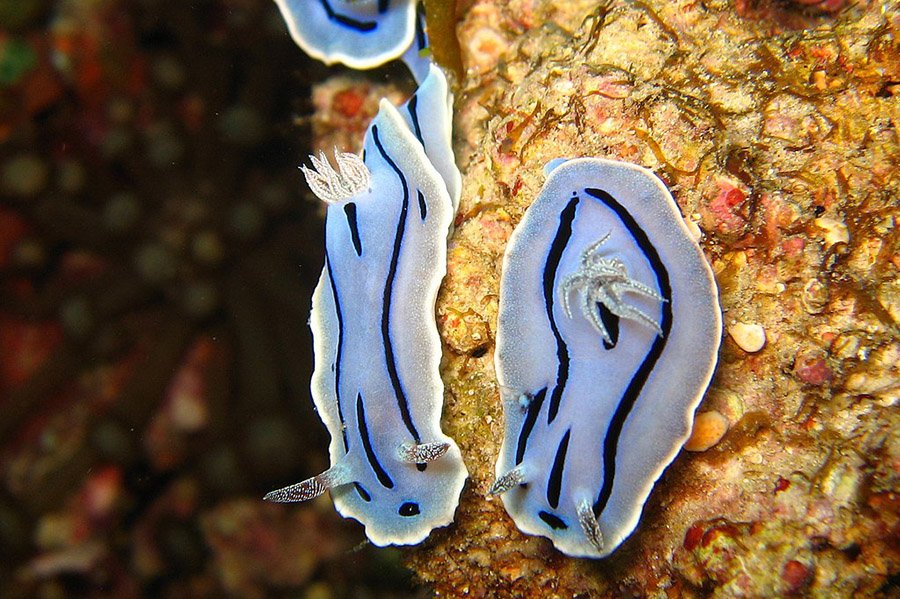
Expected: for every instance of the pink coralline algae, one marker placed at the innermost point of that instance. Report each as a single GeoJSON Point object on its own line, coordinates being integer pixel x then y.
{"type": "Point", "coordinates": [727, 207]}
{"type": "Point", "coordinates": [812, 368]}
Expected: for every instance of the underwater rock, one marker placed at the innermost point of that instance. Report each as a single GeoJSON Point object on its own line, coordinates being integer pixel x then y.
{"type": "Point", "coordinates": [750, 337]}
{"type": "Point", "coordinates": [722, 105]}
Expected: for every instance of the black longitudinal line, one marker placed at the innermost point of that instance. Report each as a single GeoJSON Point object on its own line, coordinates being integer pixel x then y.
{"type": "Point", "coordinates": [423, 209]}
{"type": "Point", "coordinates": [554, 483]}
{"type": "Point", "coordinates": [402, 402]}
{"type": "Point", "coordinates": [380, 473]}
{"type": "Point", "coordinates": [414, 116]}
{"type": "Point", "coordinates": [563, 234]}
{"type": "Point", "coordinates": [349, 22]}
{"type": "Point", "coordinates": [534, 408]}
{"type": "Point", "coordinates": [421, 40]}
{"type": "Point", "coordinates": [340, 349]}
{"type": "Point", "coordinates": [633, 391]}
{"type": "Point", "coordinates": [350, 212]}
{"type": "Point", "coordinates": [383, 5]}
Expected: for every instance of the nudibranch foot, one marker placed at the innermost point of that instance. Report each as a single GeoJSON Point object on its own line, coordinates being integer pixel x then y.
{"type": "Point", "coordinates": [336, 185]}
{"type": "Point", "coordinates": [421, 453]}
{"type": "Point", "coordinates": [311, 488]}
{"type": "Point", "coordinates": [507, 481]}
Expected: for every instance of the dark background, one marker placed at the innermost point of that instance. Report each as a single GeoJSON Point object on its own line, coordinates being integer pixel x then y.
{"type": "Point", "coordinates": [157, 257]}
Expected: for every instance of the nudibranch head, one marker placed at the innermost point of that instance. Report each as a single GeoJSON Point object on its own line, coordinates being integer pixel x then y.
{"type": "Point", "coordinates": [361, 34]}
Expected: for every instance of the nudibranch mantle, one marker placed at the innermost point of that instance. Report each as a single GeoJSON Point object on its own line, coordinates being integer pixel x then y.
{"type": "Point", "coordinates": [608, 331]}
{"type": "Point", "coordinates": [361, 34]}
{"type": "Point", "coordinates": [376, 383]}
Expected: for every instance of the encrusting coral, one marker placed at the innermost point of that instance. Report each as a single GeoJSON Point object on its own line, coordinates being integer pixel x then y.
{"type": "Point", "coordinates": [763, 120]}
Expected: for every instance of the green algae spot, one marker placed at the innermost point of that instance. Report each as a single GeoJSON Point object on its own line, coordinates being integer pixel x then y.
{"type": "Point", "coordinates": [16, 59]}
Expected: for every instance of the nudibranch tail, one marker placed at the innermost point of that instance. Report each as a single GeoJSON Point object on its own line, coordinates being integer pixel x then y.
{"type": "Point", "coordinates": [421, 453]}
{"type": "Point", "coordinates": [507, 481]}
{"type": "Point", "coordinates": [418, 56]}
{"type": "Point", "coordinates": [312, 487]}
{"type": "Point", "coordinates": [429, 116]}
{"type": "Point", "coordinates": [336, 185]}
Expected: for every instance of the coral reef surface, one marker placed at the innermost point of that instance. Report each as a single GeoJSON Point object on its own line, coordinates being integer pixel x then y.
{"type": "Point", "coordinates": [775, 126]}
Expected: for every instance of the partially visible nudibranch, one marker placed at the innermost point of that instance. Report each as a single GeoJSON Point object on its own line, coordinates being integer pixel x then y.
{"type": "Point", "coordinates": [607, 337]}
{"type": "Point", "coordinates": [417, 56]}
{"type": "Point", "coordinates": [361, 34]}
{"type": "Point", "coordinates": [429, 116]}
{"type": "Point", "coordinates": [376, 383]}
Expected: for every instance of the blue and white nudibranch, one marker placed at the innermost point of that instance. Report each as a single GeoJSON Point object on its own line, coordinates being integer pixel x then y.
{"type": "Point", "coordinates": [361, 34]}
{"type": "Point", "coordinates": [376, 383]}
{"type": "Point", "coordinates": [429, 115]}
{"type": "Point", "coordinates": [607, 336]}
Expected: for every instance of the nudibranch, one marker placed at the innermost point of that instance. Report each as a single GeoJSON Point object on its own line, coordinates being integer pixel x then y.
{"type": "Point", "coordinates": [417, 56]}
{"type": "Point", "coordinates": [607, 335]}
{"type": "Point", "coordinates": [429, 115]}
{"type": "Point", "coordinates": [361, 34]}
{"type": "Point", "coordinates": [376, 383]}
